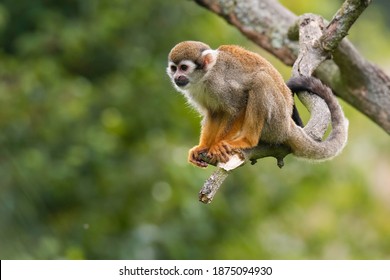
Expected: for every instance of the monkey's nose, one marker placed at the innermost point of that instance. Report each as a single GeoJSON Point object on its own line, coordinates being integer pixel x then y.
{"type": "Point", "coordinates": [181, 81]}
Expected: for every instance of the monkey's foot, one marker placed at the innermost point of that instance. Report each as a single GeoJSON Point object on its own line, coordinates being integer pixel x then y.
{"type": "Point", "coordinates": [219, 152]}
{"type": "Point", "coordinates": [194, 156]}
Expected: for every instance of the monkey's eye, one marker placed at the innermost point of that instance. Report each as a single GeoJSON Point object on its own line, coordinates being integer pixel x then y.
{"type": "Point", "coordinates": [183, 67]}
{"type": "Point", "coordinates": [173, 68]}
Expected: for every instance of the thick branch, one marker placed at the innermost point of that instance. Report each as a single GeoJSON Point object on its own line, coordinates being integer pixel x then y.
{"type": "Point", "coordinates": [264, 22]}
{"type": "Point", "coordinates": [309, 58]}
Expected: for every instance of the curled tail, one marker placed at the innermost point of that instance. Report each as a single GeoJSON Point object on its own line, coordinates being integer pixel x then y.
{"type": "Point", "coordinates": [302, 144]}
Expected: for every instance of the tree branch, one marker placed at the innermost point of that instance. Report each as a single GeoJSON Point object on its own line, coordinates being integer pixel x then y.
{"type": "Point", "coordinates": [342, 22]}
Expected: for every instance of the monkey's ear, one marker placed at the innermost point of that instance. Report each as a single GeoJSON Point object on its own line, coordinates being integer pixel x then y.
{"type": "Point", "coordinates": [209, 57]}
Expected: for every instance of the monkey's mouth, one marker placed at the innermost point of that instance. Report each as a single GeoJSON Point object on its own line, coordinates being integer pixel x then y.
{"type": "Point", "coordinates": [181, 81]}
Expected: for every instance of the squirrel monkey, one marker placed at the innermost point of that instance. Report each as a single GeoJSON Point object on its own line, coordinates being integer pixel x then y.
{"type": "Point", "coordinates": [243, 99]}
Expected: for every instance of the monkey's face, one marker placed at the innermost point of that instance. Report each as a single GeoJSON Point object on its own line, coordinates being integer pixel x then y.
{"type": "Point", "coordinates": [189, 62]}
{"type": "Point", "coordinates": [183, 74]}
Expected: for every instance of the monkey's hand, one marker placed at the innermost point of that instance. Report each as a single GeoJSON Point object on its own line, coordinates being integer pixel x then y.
{"type": "Point", "coordinates": [194, 156]}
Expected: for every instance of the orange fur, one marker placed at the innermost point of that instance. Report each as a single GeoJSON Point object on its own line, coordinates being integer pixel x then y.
{"type": "Point", "coordinates": [244, 99]}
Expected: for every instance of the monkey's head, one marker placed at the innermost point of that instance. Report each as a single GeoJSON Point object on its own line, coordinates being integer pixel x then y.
{"type": "Point", "coordinates": [188, 62]}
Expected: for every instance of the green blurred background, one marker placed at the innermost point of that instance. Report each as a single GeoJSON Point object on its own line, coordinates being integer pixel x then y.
{"type": "Point", "coordinates": [94, 140]}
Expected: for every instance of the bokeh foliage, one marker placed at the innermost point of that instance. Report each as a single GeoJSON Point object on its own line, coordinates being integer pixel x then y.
{"type": "Point", "coordinates": [93, 146]}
